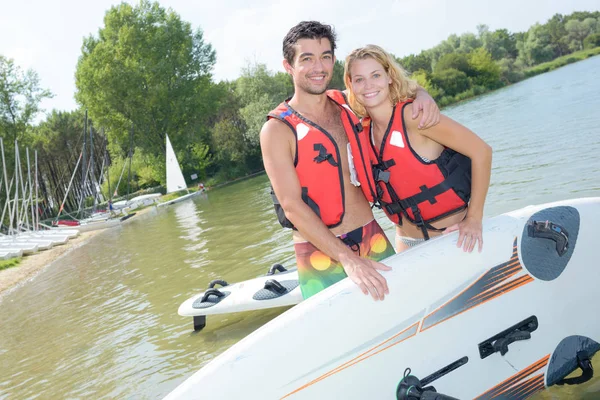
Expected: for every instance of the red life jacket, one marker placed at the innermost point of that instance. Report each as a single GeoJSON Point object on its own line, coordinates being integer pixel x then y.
{"type": "Point", "coordinates": [421, 191]}
{"type": "Point", "coordinates": [318, 165]}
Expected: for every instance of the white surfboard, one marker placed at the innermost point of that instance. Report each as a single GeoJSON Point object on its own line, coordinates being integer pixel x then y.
{"type": "Point", "coordinates": [504, 323]}
{"type": "Point", "coordinates": [276, 289]}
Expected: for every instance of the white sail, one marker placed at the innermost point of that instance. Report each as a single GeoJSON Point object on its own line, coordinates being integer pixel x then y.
{"type": "Point", "coordinates": [175, 179]}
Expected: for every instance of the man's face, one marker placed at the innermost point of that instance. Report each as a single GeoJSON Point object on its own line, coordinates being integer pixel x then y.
{"type": "Point", "coordinates": [312, 68]}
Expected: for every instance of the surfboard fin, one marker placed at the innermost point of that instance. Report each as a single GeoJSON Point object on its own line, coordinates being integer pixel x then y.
{"type": "Point", "coordinates": [199, 322]}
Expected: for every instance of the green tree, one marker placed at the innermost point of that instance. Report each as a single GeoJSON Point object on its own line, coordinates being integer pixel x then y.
{"type": "Point", "coordinates": [579, 30]}
{"type": "Point", "coordinates": [555, 27]}
{"type": "Point", "coordinates": [592, 41]}
{"type": "Point", "coordinates": [20, 98]}
{"type": "Point", "coordinates": [535, 47]}
{"type": "Point", "coordinates": [487, 72]}
{"type": "Point", "coordinates": [435, 53]}
{"type": "Point", "coordinates": [469, 42]}
{"type": "Point", "coordinates": [149, 68]}
{"type": "Point", "coordinates": [500, 44]}
{"type": "Point", "coordinates": [509, 71]}
{"type": "Point", "coordinates": [337, 81]}
{"type": "Point", "coordinates": [414, 63]}
{"type": "Point", "coordinates": [458, 61]}
{"type": "Point", "coordinates": [259, 91]}
{"type": "Point", "coordinates": [422, 78]}
{"type": "Point", "coordinates": [451, 80]}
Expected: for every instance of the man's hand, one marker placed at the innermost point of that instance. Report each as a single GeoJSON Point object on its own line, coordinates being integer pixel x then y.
{"type": "Point", "coordinates": [431, 112]}
{"type": "Point", "coordinates": [363, 272]}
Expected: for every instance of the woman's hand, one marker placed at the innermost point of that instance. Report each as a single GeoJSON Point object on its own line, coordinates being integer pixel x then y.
{"type": "Point", "coordinates": [470, 233]}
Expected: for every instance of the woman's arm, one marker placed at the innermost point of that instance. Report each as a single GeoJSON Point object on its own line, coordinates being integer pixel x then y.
{"type": "Point", "coordinates": [451, 134]}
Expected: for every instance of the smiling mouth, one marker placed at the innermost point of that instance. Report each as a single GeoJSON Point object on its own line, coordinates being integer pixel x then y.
{"type": "Point", "coordinates": [370, 95]}
{"type": "Point", "coordinates": [319, 78]}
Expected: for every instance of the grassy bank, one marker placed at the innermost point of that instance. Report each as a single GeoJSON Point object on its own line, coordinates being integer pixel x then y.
{"type": "Point", "coordinates": [13, 262]}
{"type": "Point", "coordinates": [561, 61]}
{"type": "Point", "coordinates": [528, 73]}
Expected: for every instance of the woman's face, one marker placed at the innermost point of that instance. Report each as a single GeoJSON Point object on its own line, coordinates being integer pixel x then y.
{"type": "Point", "coordinates": [370, 82]}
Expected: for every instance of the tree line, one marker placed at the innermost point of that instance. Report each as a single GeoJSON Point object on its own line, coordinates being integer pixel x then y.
{"type": "Point", "coordinates": [147, 73]}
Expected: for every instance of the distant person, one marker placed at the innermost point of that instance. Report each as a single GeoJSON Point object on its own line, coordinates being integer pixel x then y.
{"type": "Point", "coordinates": [111, 209]}
{"type": "Point", "coordinates": [201, 187]}
{"type": "Point", "coordinates": [315, 157]}
{"type": "Point", "coordinates": [431, 180]}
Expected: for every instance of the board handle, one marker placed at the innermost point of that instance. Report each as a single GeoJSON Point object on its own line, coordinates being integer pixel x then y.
{"type": "Point", "coordinates": [215, 282]}
{"type": "Point", "coordinates": [276, 268]}
{"type": "Point", "coordinates": [552, 231]}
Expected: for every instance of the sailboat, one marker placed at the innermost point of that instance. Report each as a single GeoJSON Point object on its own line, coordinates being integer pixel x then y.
{"type": "Point", "coordinates": [175, 179]}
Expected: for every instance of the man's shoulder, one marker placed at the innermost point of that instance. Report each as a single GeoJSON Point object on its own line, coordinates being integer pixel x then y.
{"type": "Point", "coordinates": [274, 128]}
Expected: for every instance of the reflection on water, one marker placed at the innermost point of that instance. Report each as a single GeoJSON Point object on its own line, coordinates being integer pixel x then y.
{"type": "Point", "coordinates": [102, 321]}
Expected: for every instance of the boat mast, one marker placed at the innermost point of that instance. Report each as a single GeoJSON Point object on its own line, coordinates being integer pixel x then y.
{"type": "Point", "coordinates": [6, 186]}
{"type": "Point", "coordinates": [130, 159]}
{"type": "Point", "coordinates": [37, 204]}
{"type": "Point", "coordinates": [84, 165]}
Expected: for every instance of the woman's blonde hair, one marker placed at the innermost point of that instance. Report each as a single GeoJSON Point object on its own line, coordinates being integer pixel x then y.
{"type": "Point", "coordinates": [401, 89]}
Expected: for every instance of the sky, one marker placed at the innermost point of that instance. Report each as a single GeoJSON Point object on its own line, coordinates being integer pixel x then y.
{"type": "Point", "coordinates": [46, 36]}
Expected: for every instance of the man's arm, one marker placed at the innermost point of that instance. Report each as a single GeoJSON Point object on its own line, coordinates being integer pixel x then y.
{"type": "Point", "coordinates": [277, 146]}
{"type": "Point", "coordinates": [425, 103]}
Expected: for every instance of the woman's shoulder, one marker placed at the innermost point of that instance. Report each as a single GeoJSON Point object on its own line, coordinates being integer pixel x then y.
{"type": "Point", "coordinates": [407, 110]}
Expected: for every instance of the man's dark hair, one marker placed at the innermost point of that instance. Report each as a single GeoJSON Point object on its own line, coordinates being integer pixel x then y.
{"type": "Point", "coordinates": [306, 30]}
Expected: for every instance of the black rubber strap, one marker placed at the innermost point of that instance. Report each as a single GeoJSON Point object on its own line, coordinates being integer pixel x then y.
{"type": "Point", "coordinates": [217, 282]}
{"type": "Point", "coordinates": [587, 370]}
{"type": "Point", "coordinates": [552, 231]}
{"type": "Point", "coordinates": [211, 292]}
{"type": "Point", "coordinates": [276, 268]}
{"type": "Point", "coordinates": [275, 286]}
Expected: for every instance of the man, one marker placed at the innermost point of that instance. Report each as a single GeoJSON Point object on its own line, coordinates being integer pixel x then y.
{"type": "Point", "coordinates": [317, 161]}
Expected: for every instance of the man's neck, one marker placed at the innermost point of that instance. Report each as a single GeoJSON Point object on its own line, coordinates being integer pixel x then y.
{"type": "Point", "coordinates": [311, 104]}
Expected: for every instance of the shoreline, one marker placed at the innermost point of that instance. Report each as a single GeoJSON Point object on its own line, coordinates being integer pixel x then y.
{"type": "Point", "coordinates": [31, 265]}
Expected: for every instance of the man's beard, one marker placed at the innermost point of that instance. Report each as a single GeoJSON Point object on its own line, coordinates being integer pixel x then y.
{"type": "Point", "coordinates": [308, 88]}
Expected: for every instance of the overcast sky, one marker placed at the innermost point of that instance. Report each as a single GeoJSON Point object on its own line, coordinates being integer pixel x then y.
{"type": "Point", "coordinates": [46, 36]}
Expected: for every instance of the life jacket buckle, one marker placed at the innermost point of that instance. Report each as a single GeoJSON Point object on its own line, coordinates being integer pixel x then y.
{"type": "Point", "coordinates": [381, 175]}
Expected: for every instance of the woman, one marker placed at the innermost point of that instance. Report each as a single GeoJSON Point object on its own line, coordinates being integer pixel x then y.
{"type": "Point", "coordinates": [431, 180]}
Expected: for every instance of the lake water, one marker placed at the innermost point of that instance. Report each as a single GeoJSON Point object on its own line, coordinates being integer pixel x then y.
{"type": "Point", "coordinates": [102, 321]}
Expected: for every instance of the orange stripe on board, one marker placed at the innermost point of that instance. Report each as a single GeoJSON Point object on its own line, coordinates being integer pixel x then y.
{"type": "Point", "coordinates": [527, 386]}
{"type": "Point", "coordinates": [516, 378]}
{"type": "Point", "coordinates": [501, 277]}
{"type": "Point", "coordinates": [530, 279]}
{"type": "Point", "coordinates": [449, 301]}
{"type": "Point", "coordinates": [500, 289]}
{"type": "Point", "coordinates": [357, 359]}
{"type": "Point", "coordinates": [507, 287]}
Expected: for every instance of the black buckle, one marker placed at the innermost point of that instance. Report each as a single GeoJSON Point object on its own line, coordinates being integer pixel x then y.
{"type": "Point", "coordinates": [323, 155]}
{"type": "Point", "coordinates": [381, 175]}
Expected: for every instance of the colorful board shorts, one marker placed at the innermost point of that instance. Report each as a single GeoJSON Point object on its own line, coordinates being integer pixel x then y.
{"type": "Point", "coordinates": [317, 271]}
